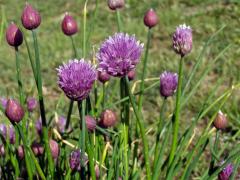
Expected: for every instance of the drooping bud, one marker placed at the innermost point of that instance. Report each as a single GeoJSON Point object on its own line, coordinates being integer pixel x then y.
{"type": "Point", "coordinates": [20, 152]}
{"type": "Point", "coordinates": [90, 123]}
{"type": "Point", "coordinates": [3, 131]}
{"type": "Point", "coordinates": [182, 40]}
{"type": "Point", "coordinates": [116, 4]}
{"type": "Point", "coordinates": [220, 121]}
{"type": "Point", "coordinates": [31, 104]}
{"type": "Point", "coordinates": [108, 118]}
{"type": "Point", "coordinates": [226, 172]}
{"type": "Point", "coordinates": [150, 18]}
{"type": "Point", "coordinates": [14, 111]}
{"type": "Point", "coordinates": [75, 160]}
{"type": "Point", "coordinates": [69, 25]}
{"type": "Point", "coordinates": [14, 36]}
{"type": "Point", "coordinates": [54, 148]}
{"type": "Point", "coordinates": [168, 83]}
{"type": "Point", "coordinates": [103, 76]}
{"type": "Point", "coordinates": [37, 149]}
{"type": "Point", "coordinates": [31, 18]}
{"type": "Point", "coordinates": [131, 75]}
{"type": "Point", "coordinates": [38, 126]}
{"type": "Point", "coordinates": [12, 136]}
{"type": "Point", "coordinates": [2, 150]}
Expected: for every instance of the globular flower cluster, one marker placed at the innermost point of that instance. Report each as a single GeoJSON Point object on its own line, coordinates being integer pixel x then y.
{"type": "Point", "coordinates": [14, 35]}
{"type": "Point", "coordinates": [119, 54]}
{"type": "Point", "coordinates": [168, 83]}
{"type": "Point", "coordinates": [69, 25]}
{"type": "Point", "coordinates": [76, 78]}
{"type": "Point", "coordinates": [182, 40]}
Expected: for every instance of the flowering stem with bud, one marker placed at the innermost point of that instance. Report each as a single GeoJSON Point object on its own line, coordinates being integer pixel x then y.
{"type": "Point", "coordinates": [41, 104]}
{"type": "Point", "coordinates": [119, 23]}
{"type": "Point", "coordinates": [177, 113]}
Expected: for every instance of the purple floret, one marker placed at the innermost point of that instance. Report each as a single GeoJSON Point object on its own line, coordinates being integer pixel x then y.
{"type": "Point", "coordinates": [168, 83]}
{"type": "Point", "coordinates": [119, 54]}
{"type": "Point", "coordinates": [76, 79]}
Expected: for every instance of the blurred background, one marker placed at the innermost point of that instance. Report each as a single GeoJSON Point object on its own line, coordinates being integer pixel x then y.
{"type": "Point", "coordinates": [204, 16]}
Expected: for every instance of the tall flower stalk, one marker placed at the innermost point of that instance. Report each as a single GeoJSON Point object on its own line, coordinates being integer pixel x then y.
{"type": "Point", "coordinates": [182, 44]}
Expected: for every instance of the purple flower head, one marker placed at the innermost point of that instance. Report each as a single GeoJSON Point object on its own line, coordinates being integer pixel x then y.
{"type": "Point", "coordinates": [37, 149]}
{"type": "Point", "coordinates": [90, 123]}
{"type": "Point", "coordinates": [12, 137]}
{"type": "Point", "coordinates": [103, 76]}
{"type": "Point", "coordinates": [31, 104]}
{"type": "Point", "coordinates": [38, 126]}
{"type": "Point", "coordinates": [3, 130]}
{"type": "Point", "coordinates": [76, 78]}
{"type": "Point", "coordinates": [31, 18]}
{"type": "Point", "coordinates": [168, 83]}
{"type": "Point", "coordinates": [119, 54]}
{"type": "Point", "coordinates": [226, 172]}
{"type": "Point", "coordinates": [150, 19]}
{"type": "Point", "coordinates": [182, 40]}
{"type": "Point", "coordinates": [116, 4]}
{"type": "Point", "coordinates": [3, 102]}
{"type": "Point", "coordinates": [75, 160]}
{"type": "Point", "coordinates": [61, 123]}
{"type": "Point", "coordinates": [14, 35]}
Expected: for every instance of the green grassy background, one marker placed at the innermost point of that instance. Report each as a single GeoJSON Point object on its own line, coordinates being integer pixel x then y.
{"type": "Point", "coordinates": [204, 16]}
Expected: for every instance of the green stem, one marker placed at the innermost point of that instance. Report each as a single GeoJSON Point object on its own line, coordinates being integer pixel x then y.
{"type": "Point", "coordinates": [74, 48]}
{"type": "Point", "coordinates": [144, 71]}
{"type": "Point", "coordinates": [119, 23]}
{"type": "Point", "coordinates": [104, 94]}
{"type": "Point", "coordinates": [20, 88]}
{"type": "Point", "coordinates": [41, 104]}
{"type": "Point", "coordinates": [69, 114]}
{"type": "Point", "coordinates": [81, 109]}
{"type": "Point", "coordinates": [84, 28]}
{"type": "Point", "coordinates": [177, 113]}
{"type": "Point", "coordinates": [142, 130]}
{"type": "Point", "coordinates": [160, 126]}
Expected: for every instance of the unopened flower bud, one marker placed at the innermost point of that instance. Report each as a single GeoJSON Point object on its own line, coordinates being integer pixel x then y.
{"type": "Point", "coordinates": [69, 25]}
{"type": "Point", "coordinates": [38, 126]}
{"type": "Point", "coordinates": [31, 18]}
{"type": "Point", "coordinates": [108, 118]}
{"type": "Point", "coordinates": [226, 172]}
{"type": "Point", "coordinates": [150, 18]}
{"type": "Point", "coordinates": [3, 102]}
{"type": "Point", "coordinates": [220, 121]}
{"type": "Point", "coordinates": [182, 40]}
{"type": "Point", "coordinates": [116, 4]}
{"type": "Point", "coordinates": [75, 160]}
{"type": "Point", "coordinates": [131, 75]}
{"type": "Point", "coordinates": [54, 148]}
{"type": "Point", "coordinates": [20, 152]}
{"type": "Point", "coordinates": [61, 123]}
{"type": "Point", "coordinates": [37, 149]}
{"type": "Point", "coordinates": [12, 136]}
{"type": "Point", "coordinates": [31, 104]}
{"type": "Point", "coordinates": [97, 171]}
{"type": "Point", "coordinates": [14, 111]}
{"type": "Point", "coordinates": [2, 150]}
{"type": "Point", "coordinates": [3, 131]}
{"type": "Point", "coordinates": [168, 83]}
{"type": "Point", "coordinates": [103, 76]}
{"type": "Point", "coordinates": [14, 36]}
{"type": "Point", "coordinates": [90, 123]}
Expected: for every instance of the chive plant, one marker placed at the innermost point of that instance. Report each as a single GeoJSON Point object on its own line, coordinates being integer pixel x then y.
{"type": "Point", "coordinates": [109, 137]}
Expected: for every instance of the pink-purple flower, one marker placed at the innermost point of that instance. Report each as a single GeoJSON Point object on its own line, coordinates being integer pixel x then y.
{"type": "Point", "coordinates": [76, 78]}
{"type": "Point", "coordinates": [168, 83]}
{"type": "Point", "coordinates": [119, 54]}
{"type": "Point", "coordinates": [31, 104]}
{"type": "Point", "coordinates": [75, 160]}
{"type": "Point", "coordinates": [3, 102]}
{"type": "Point", "coordinates": [226, 172]}
{"type": "Point", "coordinates": [182, 40]}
